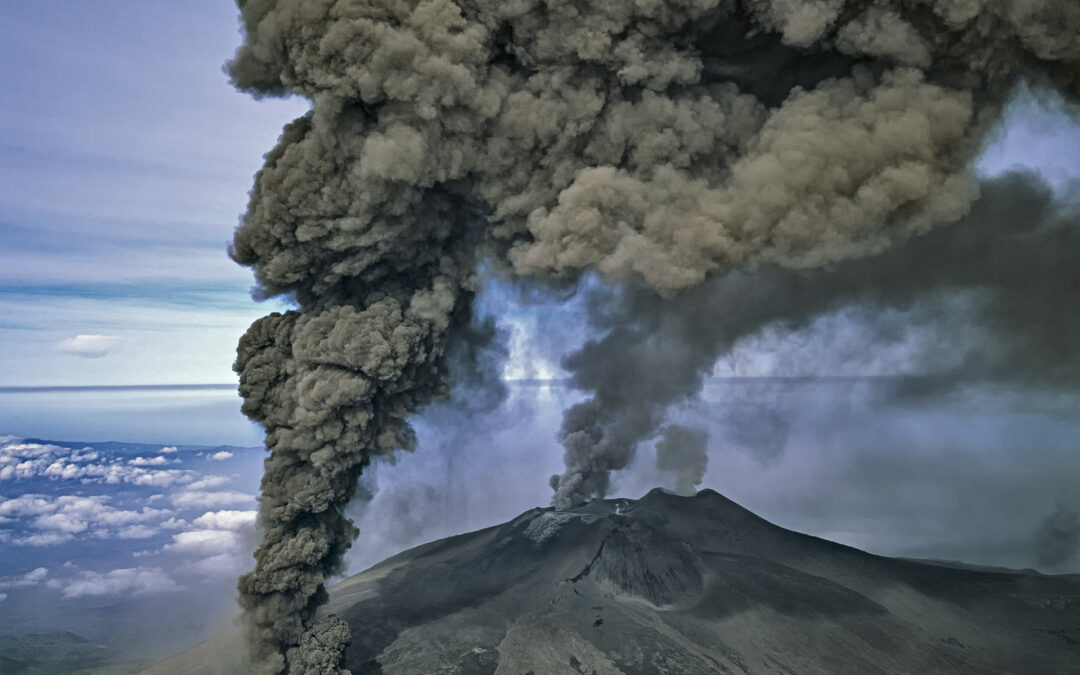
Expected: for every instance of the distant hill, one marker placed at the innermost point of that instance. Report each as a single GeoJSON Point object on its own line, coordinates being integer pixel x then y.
{"type": "Point", "coordinates": [670, 584]}
{"type": "Point", "coordinates": [58, 653]}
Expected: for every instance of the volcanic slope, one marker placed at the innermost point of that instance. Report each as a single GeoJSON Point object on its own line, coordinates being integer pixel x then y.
{"type": "Point", "coordinates": [670, 584]}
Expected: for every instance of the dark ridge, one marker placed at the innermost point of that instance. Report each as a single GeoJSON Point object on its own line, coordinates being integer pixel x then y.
{"type": "Point", "coordinates": [685, 584]}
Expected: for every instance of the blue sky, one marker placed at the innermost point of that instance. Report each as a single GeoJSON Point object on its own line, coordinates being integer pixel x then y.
{"type": "Point", "coordinates": [125, 160]}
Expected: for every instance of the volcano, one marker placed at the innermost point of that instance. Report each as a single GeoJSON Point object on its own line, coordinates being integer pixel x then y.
{"type": "Point", "coordinates": [673, 584]}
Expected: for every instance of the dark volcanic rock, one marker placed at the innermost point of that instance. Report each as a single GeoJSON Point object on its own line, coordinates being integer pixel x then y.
{"type": "Point", "coordinates": [669, 584]}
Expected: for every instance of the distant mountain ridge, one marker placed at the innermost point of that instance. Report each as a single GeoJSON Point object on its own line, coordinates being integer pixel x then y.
{"type": "Point", "coordinates": [670, 584]}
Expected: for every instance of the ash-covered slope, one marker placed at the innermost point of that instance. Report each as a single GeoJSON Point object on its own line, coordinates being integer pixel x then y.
{"type": "Point", "coordinates": [670, 584]}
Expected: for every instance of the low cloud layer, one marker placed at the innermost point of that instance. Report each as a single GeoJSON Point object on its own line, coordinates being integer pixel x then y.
{"type": "Point", "coordinates": [24, 460]}
{"type": "Point", "coordinates": [103, 506]}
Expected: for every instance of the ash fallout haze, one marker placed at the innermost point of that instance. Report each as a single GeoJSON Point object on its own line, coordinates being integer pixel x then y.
{"type": "Point", "coordinates": [700, 171]}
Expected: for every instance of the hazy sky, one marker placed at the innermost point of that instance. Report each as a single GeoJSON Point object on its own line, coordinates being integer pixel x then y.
{"type": "Point", "coordinates": [126, 159]}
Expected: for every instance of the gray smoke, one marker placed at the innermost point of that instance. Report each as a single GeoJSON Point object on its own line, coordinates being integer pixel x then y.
{"type": "Point", "coordinates": [1004, 272]}
{"type": "Point", "coordinates": [659, 143]}
{"type": "Point", "coordinates": [683, 453]}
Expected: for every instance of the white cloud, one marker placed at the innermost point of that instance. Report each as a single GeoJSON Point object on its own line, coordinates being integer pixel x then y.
{"type": "Point", "coordinates": [88, 346]}
{"type": "Point", "coordinates": [84, 455]}
{"type": "Point", "coordinates": [148, 461]}
{"type": "Point", "coordinates": [37, 574]}
{"type": "Point", "coordinates": [31, 578]}
{"type": "Point", "coordinates": [26, 505]}
{"type": "Point", "coordinates": [205, 542]}
{"type": "Point", "coordinates": [209, 500]}
{"type": "Point", "coordinates": [210, 482]}
{"type": "Point", "coordinates": [3, 597]}
{"type": "Point", "coordinates": [20, 460]}
{"type": "Point", "coordinates": [174, 523]}
{"type": "Point", "coordinates": [156, 477]}
{"type": "Point", "coordinates": [135, 532]}
{"type": "Point", "coordinates": [70, 523]}
{"type": "Point", "coordinates": [133, 581]}
{"type": "Point", "coordinates": [222, 455]}
{"type": "Point", "coordinates": [226, 520]}
{"type": "Point", "coordinates": [47, 539]}
{"type": "Point", "coordinates": [167, 449]}
{"type": "Point", "coordinates": [28, 450]}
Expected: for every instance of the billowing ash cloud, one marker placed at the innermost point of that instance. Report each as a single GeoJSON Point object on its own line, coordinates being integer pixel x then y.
{"type": "Point", "coordinates": [660, 143]}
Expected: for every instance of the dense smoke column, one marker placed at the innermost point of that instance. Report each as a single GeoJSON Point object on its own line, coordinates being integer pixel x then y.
{"type": "Point", "coordinates": [334, 381]}
{"type": "Point", "coordinates": [659, 143]}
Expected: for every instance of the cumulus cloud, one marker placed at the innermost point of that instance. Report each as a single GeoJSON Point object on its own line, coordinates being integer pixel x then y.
{"type": "Point", "coordinates": [37, 574]}
{"type": "Point", "coordinates": [88, 346]}
{"type": "Point", "coordinates": [204, 542]}
{"type": "Point", "coordinates": [167, 449]}
{"type": "Point", "coordinates": [135, 532]}
{"type": "Point", "coordinates": [44, 539]}
{"type": "Point", "coordinates": [31, 578]}
{"type": "Point", "coordinates": [20, 460]}
{"type": "Point", "coordinates": [221, 540]}
{"type": "Point", "coordinates": [221, 456]}
{"type": "Point", "coordinates": [210, 482]}
{"type": "Point", "coordinates": [226, 520]}
{"type": "Point", "coordinates": [148, 461]}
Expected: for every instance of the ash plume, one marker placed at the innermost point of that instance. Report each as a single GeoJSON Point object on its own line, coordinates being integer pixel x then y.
{"type": "Point", "coordinates": [1057, 541]}
{"type": "Point", "coordinates": [660, 144]}
{"type": "Point", "coordinates": [682, 452]}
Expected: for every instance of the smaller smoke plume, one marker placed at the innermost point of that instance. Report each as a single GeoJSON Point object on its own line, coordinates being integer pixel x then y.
{"type": "Point", "coordinates": [682, 453]}
{"type": "Point", "coordinates": [1006, 268]}
{"type": "Point", "coordinates": [1057, 541]}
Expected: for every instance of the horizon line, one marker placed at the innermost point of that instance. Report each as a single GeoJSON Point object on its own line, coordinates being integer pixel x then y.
{"type": "Point", "coordinates": [4, 389]}
{"type": "Point", "coordinates": [526, 381]}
